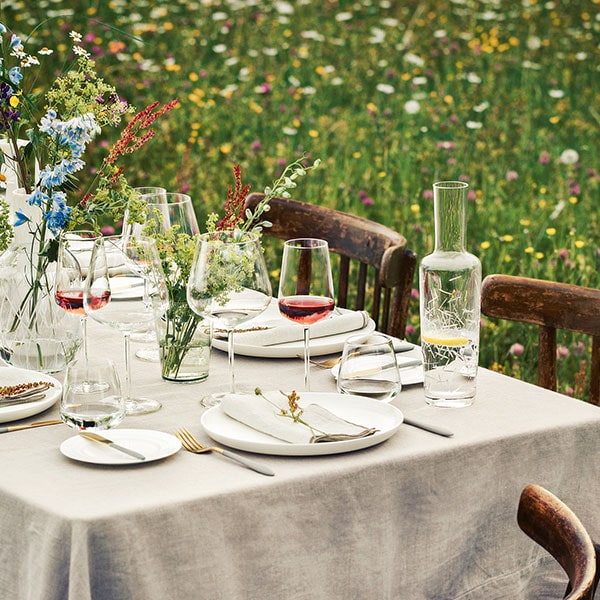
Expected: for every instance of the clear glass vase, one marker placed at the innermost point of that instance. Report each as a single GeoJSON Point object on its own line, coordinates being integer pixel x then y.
{"type": "Point", "coordinates": [35, 333]}
{"type": "Point", "coordinates": [450, 288]}
{"type": "Point", "coordinates": [185, 341]}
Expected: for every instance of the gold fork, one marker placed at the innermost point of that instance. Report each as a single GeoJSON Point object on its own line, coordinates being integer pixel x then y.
{"type": "Point", "coordinates": [191, 444]}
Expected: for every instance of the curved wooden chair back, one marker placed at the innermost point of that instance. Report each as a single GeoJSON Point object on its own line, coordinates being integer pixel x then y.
{"type": "Point", "coordinates": [553, 525]}
{"type": "Point", "coordinates": [383, 269]}
{"type": "Point", "coordinates": [552, 306]}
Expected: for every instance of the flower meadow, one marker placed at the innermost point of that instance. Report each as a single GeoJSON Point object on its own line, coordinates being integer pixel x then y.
{"type": "Point", "coordinates": [391, 96]}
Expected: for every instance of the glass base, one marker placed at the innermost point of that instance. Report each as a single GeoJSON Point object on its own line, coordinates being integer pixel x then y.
{"type": "Point", "coordinates": [450, 402]}
{"type": "Point", "coordinates": [141, 406]}
{"type": "Point", "coordinates": [151, 354]}
{"type": "Point", "coordinates": [212, 400]}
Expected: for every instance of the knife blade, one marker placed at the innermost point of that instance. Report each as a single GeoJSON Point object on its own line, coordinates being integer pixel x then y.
{"type": "Point", "coordinates": [96, 437]}
{"type": "Point", "coordinates": [428, 427]}
{"type": "Point", "coordinates": [374, 370]}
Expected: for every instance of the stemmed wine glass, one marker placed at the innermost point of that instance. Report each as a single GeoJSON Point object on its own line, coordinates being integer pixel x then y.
{"type": "Point", "coordinates": [229, 284]}
{"type": "Point", "coordinates": [166, 213]}
{"type": "Point", "coordinates": [74, 253]}
{"type": "Point", "coordinates": [126, 290]}
{"type": "Point", "coordinates": [306, 288]}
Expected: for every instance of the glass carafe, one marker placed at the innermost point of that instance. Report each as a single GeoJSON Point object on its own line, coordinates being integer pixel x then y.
{"type": "Point", "coordinates": [450, 287]}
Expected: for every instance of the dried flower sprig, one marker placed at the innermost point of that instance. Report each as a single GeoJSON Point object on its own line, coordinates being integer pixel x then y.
{"type": "Point", "coordinates": [236, 218]}
{"type": "Point", "coordinates": [293, 411]}
{"type": "Point", "coordinates": [234, 205]}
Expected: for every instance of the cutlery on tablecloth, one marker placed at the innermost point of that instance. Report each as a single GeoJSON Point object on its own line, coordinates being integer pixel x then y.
{"type": "Point", "coordinates": [10, 428]}
{"type": "Point", "coordinates": [91, 435]}
{"type": "Point", "coordinates": [191, 444]}
{"type": "Point", "coordinates": [428, 427]}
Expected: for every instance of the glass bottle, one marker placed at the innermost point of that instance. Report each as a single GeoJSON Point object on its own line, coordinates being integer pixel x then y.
{"type": "Point", "coordinates": [450, 288]}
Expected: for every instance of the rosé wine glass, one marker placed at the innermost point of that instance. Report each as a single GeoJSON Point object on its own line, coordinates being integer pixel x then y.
{"type": "Point", "coordinates": [306, 288]}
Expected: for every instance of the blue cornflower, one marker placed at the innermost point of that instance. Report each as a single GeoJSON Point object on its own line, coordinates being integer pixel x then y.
{"type": "Point", "coordinates": [20, 218]}
{"type": "Point", "coordinates": [15, 41]}
{"type": "Point", "coordinates": [59, 215]}
{"type": "Point", "coordinates": [38, 198]}
{"type": "Point", "coordinates": [2, 28]}
{"type": "Point", "coordinates": [47, 122]}
{"type": "Point", "coordinates": [15, 75]}
{"type": "Point", "coordinates": [52, 177]}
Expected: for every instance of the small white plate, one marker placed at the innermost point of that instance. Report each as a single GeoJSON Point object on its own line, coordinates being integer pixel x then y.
{"type": "Point", "coordinates": [154, 445]}
{"type": "Point", "coordinates": [368, 413]}
{"type": "Point", "coordinates": [14, 376]}
{"type": "Point", "coordinates": [408, 376]}
{"type": "Point", "coordinates": [318, 346]}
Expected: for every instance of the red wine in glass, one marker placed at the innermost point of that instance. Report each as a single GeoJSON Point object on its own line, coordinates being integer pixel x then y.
{"type": "Point", "coordinates": [72, 301]}
{"type": "Point", "coordinates": [306, 310]}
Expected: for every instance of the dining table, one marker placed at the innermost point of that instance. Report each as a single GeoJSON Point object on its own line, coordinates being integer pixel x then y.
{"type": "Point", "coordinates": [416, 516]}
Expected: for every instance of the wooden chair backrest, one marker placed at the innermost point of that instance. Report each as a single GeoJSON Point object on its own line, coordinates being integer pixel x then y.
{"type": "Point", "coordinates": [553, 525]}
{"type": "Point", "coordinates": [368, 244]}
{"type": "Point", "coordinates": [551, 306]}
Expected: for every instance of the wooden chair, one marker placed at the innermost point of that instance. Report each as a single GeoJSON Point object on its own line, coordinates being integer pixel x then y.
{"type": "Point", "coordinates": [381, 259]}
{"type": "Point", "coordinates": [552, 306]}
{"type": "Point", "coordinates": [553, 525]}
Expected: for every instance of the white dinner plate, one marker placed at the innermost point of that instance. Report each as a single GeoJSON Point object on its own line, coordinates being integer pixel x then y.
{"type": "Point", "coordinates": [364, 411]}
{"type": "Point", "coordinates": [14, 376]}
{"type": "Point", "coordinates": [408, 376]}
{"type": "Point", "coordinates": [318, 346]}
{"type": "Point", "coordinates": [154, 445]}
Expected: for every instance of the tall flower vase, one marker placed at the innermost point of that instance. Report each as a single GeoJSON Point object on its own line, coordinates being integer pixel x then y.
{"type": "Point", "coordinates": [450, 287]}
{"type": "Point", "coordinates": [35, 333]}
{"type": "Point", "coordinates": [16, 197]}
{"type": "Point", "coordinates": [185, 342]}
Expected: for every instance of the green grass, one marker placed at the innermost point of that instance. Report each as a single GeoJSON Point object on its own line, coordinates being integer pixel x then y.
{"type": "Point", "coordinates": [497, 91]}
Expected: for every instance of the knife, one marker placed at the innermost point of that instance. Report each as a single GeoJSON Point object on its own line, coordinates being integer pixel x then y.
{"type": "Point", "coordinates": [428, 427]}
{"type": "Point", "coordinates": [374, 370]}
{"type": "Point", "coordinates": [90, 435]}
{"type": "Point", "coordinates": [29, 425]}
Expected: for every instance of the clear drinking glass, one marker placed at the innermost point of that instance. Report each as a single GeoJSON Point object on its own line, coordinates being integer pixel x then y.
{"type": "Point", "coordinates": [92, 397]}
{"type": "Point", "coordinates": [229, 284]}
{"type": "Point", "coordinates": [369, 368]}
{"type": "Point", "coordinates": [167, 213]}
{"type": "Point", "coordinates": [126, 290]}
{"type": "Point", "coordinates": [450, 290]}
{"type": "Point", "coordinates": [306, 288]}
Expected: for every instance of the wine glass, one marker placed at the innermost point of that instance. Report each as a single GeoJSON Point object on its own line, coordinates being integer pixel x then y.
{"type": "Point", "coordinates": [126, 290]}
{"type": "Point", "coordinates": [91, 396]}
{"type": "Point", "coordinates": [166, 213]}
{"type": "Point", "coordinates": [229, 284]}
{"type": "Point", "coordinates": [306, 288]}
{"type": "Point", "coordinates": [74, 253]}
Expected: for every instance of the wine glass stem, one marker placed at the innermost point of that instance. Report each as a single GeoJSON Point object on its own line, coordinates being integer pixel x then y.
{"type": "Point", "coordinates": [84, 338]}
{"type": "Point", "coordinates": [230, 357]}
{"type": "Point", "coordinates": [306, 359]}
{"type": "Point", "coordinates": [127, 387]}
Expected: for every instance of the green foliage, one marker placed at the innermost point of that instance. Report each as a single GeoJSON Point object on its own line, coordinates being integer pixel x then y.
{"type": "Point", "coordinates": [392, 96]}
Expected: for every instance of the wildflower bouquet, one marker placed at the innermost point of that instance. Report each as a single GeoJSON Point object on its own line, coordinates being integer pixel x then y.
{"type": "Point", "coordinates": [45, 137]}
{"type": "Point", "coordinates": [183, 335]}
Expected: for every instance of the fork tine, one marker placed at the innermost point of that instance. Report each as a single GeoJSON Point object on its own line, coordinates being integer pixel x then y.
{"type": "Point", "coordinates": [192, 442]}
{"type": "Point", "coordinates": [181, 437]}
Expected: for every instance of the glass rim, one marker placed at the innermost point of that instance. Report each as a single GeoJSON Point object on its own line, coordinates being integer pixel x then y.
{"type": "Point", "coordinates": [182, 198]}
{"type": "Point", "coordinates": [213, 236]}
{"type": "Point", "coordinates": [450, 185]}
{"type": "Point", "coordinates": [313, 243]}
{"type": "Point", "coordinates": [361, 339]}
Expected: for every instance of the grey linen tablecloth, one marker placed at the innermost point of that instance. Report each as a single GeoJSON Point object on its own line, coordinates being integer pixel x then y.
{"type": "Point", "coordinates": [417, 517]}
